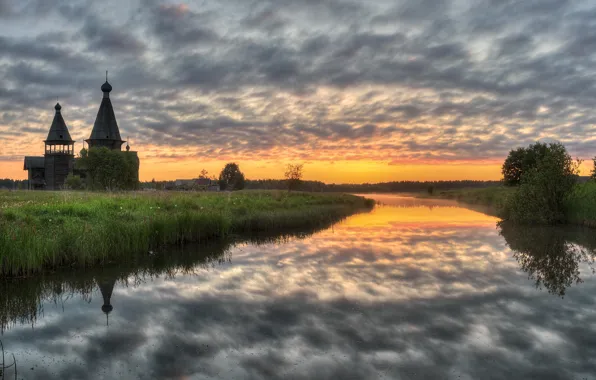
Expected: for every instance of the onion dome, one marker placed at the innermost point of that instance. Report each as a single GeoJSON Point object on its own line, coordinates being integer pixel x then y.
{"type": "Point", "coordinates": [58, 107]}
{"type": "Point", "coordinates": [106, 87]}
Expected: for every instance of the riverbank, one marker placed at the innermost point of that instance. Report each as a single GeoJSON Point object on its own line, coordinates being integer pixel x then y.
{"type": "Point", "coordinates": [494, 198]}
{"type": "Point", "coordinates": [48, 230]}
{"type": "Point", "coordinates": [581, 204]}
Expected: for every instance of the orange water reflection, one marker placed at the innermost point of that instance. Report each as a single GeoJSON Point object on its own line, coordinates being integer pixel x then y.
{"type": "Point", "coordinates": [431, 216]}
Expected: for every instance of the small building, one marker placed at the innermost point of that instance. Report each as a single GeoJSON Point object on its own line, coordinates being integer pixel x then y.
{"type": "Point", "coordinates": [50, 171]}
{"type": "Point", "coordinates": [201, 183]}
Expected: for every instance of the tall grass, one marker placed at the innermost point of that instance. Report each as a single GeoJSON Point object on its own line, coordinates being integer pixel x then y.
{"type": "Point", "coordinates": [581, 204]}
{"type": "Point", "coordinates": [46, 230]}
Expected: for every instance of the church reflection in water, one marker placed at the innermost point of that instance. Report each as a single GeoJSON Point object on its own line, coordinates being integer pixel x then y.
{"type": "Point", "coordinates": [106, 287]}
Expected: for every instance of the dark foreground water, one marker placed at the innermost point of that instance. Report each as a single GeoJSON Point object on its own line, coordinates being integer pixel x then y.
{"type": "Point", "coordinates": [413, 290]}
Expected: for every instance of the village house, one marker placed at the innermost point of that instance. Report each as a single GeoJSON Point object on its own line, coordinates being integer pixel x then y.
{"type": "Point", "coordinates": [201, 184]}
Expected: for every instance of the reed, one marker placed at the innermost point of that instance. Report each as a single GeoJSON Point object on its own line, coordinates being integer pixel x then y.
{"type": "Point", "coordinates": [48, 230]}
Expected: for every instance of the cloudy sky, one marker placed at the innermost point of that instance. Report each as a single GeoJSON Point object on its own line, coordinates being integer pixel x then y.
{"type": "Point", "coordinates": [357, 90]}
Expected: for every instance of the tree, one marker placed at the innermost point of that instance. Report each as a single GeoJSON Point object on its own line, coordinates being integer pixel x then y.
{"type": "Point", "coordinates": [520, 161]}
{"type": "Point", "coordinates": [204, 174]}
{"type": "Point", "coordinates": [74, 182]}
{"type": "Point", "coordinates": [109, 169]}
{"type": "Point", "coordinates": [231, 178]}
{"type": "Point", "coordinates": [545, 188]}
{"type": "Point", "coordinates": [593, 172]}
{"type": "Point", "coordinates": [293, 175]}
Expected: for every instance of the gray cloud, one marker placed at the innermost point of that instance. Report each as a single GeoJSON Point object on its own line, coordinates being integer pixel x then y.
{"type": "Point", "coordinates": [266, 76]}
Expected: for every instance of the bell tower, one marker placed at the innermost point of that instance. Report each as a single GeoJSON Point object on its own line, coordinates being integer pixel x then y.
{"type": "Point", "coordinates": [59, 152]}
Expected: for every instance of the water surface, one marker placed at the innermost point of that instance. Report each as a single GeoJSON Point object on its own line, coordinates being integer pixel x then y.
{"type": "Point", "coordinates": [416, 289]}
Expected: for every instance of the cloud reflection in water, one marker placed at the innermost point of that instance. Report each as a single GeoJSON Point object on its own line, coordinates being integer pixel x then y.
{"type": "Point", "coordinates": [400, 293]}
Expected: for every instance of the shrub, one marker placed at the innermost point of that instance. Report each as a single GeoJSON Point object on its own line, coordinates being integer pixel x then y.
{"type": "Point", "coordinates": [74, 182]}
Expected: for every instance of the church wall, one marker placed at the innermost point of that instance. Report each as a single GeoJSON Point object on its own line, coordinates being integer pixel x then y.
{"type": "Point", "coordinates": [49, 172]}
{"type": "Point", "coordinates": [58, 167]}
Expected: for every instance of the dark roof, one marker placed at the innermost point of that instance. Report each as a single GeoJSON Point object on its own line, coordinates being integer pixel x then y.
{"type": "Point", "coordinates": [105, 127]}
{"type": "Point", "coordinates": [59, 131]}
{"type": "Point", "coordinates": [34, 163]}
{"type": "Point", "coordinates": [203, 182]}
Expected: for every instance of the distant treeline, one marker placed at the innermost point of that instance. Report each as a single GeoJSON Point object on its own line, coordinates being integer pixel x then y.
{"type": "Point", "coordinates": [315, 186]}
{"type": "Point", "coordinates": [12, 184]}
{"type": "Point", "coordinates": [383, 187]}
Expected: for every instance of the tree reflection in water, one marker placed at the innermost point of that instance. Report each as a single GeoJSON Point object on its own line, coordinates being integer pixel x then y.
{"type": "Point", "coordinates": [551, 255]}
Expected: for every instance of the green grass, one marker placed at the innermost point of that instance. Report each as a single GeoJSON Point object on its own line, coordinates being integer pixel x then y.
{"type": "Point", "coordinates": [47, 230]}
{"type": "Point", "coordinates": [581, 204]}
{"type": "Point", "coordinates": [494, 197]}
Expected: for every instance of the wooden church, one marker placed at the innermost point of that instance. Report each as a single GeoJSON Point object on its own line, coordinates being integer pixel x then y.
{"type": "Point", "coordinates": [49, 172]}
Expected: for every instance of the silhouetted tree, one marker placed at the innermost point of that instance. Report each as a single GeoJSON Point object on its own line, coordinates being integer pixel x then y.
{"type": "Point", "coordinates": [231, 178]}
{"type": "Point", "coordinates": [520, 161]}
{"type": "Point", "coordinates": [293, 175]}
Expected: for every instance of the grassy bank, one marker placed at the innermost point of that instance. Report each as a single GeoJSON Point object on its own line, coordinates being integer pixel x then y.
{"type": "Point", "coordinates": [47, 230]}
{"type": "Point", "coordinates": [493, 197]}
{"type": "Point", "coordinates": [581, 204]}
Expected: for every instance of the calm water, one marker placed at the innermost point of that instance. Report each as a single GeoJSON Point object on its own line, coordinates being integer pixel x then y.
{"type": "Point", "coordinates": [413, 290]}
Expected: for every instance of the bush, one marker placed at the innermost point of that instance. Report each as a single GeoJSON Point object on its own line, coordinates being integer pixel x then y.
{"type": "Point", "coordinates": [74, 182]}
{"type": "Point", "coordinates": [541, 197]}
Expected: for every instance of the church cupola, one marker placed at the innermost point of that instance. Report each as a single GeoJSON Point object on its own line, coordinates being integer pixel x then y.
{"type": "Point", "coordinates": [105, 131]}
{"type": "Point", "coordinates": [59, 140]}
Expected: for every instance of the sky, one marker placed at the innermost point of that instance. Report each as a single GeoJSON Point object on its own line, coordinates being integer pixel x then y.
{"type": "Point", "coordinates": [358, 91]}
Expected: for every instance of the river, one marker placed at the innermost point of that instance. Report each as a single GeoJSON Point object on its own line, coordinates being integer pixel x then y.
{"type": "Point", "coordinates": [415, 289]}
